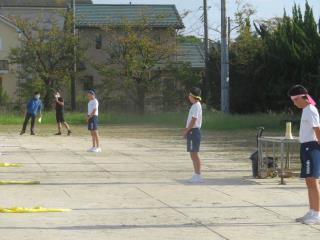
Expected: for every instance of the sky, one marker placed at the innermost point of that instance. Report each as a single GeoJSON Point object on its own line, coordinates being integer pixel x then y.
{"type": "Point", "coordinates": [265, 9]}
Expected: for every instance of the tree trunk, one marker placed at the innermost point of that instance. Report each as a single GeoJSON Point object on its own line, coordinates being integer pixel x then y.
{"type": "Point", "coordinates": [141, 100]}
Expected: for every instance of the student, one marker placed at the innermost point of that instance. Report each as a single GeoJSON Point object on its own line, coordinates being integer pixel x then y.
{"type": "Point", "coordinates": [92, 119]}
{"type": "Point", "coordinates": [60, 114]}
{"type": "Point", "coordinates": [33, 108]}
{"type": "Point", "coordinates": [309, 137]}
{"type": "Point", "coordinates": [193, 134]}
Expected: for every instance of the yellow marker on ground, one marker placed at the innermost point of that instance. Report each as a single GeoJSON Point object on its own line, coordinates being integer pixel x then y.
{"type": "Point", "coordinates": [32, 210]}
{"type": "Point", "coordinates": [10, 165]}
{"type": "Point", "coordinates": [5, 182]}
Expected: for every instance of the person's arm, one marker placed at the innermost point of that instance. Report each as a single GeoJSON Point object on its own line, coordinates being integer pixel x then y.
{"type": "Point", "coordinates": [191, 125]}
{"type": "Point", "coordinates": [317, 132]}
{"type": "Point", "coordinates": [39, 109]}
{"type": "Point", "coordinates": [61, 103]}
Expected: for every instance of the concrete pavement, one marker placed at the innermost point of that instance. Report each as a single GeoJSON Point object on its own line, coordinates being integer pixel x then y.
{"type": "Point", "coordinates": [136, 189]}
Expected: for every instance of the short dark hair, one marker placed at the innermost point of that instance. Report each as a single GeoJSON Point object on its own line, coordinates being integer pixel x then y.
{"type": "Point", "coordinates": [36, 93]}
{"type": "Point", "coordinates": [297, 90]}
{"type": "Point", "coordinates": [195, 91]}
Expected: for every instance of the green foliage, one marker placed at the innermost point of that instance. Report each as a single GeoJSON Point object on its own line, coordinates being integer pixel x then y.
{"type": "Point", "coordinates": [46, 55]}
{"type": "Point", "coordinates": [266, 63]}
{"type": "Point", "coordinates": [135, 54]}
{"type": "Point", "coordinates": [189, 39]}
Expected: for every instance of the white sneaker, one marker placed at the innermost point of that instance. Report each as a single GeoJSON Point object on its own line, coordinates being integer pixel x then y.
{"type": "Point", "coordinates": [91, 149]}
{"type": "Point", "coordinates": [193, 178]}
{"type": "Point", "coordinates": [306, 216]}
{"type": "Point", "coordinates": [196, 178]}
{"type": "Point", "coordinates": [97, 150]}
{"type": "Point", "coordinates": [312, 220]}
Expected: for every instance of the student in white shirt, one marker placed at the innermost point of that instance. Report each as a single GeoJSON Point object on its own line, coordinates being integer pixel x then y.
{"type": "Point", "coordinates": [192, 133]}
{"type": "Point", "coordinates": [92, 120]}
{"type": "Point", "coordinates": [310, 150]}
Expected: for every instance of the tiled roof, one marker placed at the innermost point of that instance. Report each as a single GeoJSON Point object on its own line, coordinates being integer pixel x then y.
{"type": "Point", "coordinates": [109, 14]}
{"type": "Point", "coordinates": [40, 3]}
{"type": "Point", "coordinates": [192, 53]}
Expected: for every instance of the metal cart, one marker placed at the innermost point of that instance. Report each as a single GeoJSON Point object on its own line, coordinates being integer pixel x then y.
{"type": "Point", "coordinates": [279, 151]}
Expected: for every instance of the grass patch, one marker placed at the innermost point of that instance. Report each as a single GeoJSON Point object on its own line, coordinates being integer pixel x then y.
{"type": "Point", "coordinates": [211, 121]}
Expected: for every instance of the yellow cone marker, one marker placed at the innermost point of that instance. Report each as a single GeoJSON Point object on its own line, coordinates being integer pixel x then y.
{"type": "Point", "coordinates": [5, 182]}
{"type": "Point", "coordinates": [32, 210]}
{"type": "Point", "coordinates": [10, 165]}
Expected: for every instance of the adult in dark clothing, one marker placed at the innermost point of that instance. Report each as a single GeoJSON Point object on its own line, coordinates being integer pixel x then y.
{"type": "Point", "coordinates": [60, 114]}
{"type": "Point", "coordinates": [33, 109]}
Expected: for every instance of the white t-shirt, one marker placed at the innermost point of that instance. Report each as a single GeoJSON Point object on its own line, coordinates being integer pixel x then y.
{"type": "Point", "coordinates": [309, 120]}
{"type": "Point", "coordinates": [195, 112]}
{"type": "Point", "coordinates": [92, 105]}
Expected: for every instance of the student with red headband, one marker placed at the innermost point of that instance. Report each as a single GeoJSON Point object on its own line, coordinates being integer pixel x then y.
{"type": "Point", "coordinates": [193, 134]}
{"type": "Point", "coordinates": [309, 137]}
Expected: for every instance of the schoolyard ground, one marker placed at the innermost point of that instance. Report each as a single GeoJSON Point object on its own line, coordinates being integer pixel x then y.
{"type": "Point", "coordinates": [137, 189]}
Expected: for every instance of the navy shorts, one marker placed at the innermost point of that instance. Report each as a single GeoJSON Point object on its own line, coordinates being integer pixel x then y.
{"type": "Point", "coordinates": [194, 140]}
{"type": "Point", "coordinates": [310, 160]}
{"type": "Point", "coordinates": [93, 123]}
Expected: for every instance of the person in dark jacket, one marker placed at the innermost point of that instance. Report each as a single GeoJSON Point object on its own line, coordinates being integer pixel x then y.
{"type": "Point", "coordinates": [34, 107]}
{"type": "Point", "coordinates": [59, 106]}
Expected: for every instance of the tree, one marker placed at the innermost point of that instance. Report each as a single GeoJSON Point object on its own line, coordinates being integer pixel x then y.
{"type": "Point", "coordinates": [135, 55]}
{"type": "Point", "coordinates": [46, 55]}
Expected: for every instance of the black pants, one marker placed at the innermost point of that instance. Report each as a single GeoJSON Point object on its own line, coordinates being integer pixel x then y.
{"type": "Point", "coordinates": [26, 120]}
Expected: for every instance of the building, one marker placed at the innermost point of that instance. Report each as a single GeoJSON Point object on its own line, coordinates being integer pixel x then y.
{"type": "Point", "coordinates": [90, 19]}
{"type": "Point", "coordinates": [9, 37]}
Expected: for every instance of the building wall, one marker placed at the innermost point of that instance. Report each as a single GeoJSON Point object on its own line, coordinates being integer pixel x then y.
{"type": "Point", "coordinates": [9, 39]}
{"type": "Point", "coordinates": [88, 37]}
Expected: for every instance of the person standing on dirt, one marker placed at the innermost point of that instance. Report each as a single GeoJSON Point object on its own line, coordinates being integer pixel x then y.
{"type": "Point", "coordinates": [192, 133]}
{"type": "Point", "coordinates": [59, 106]}
{"type": "Point", "coordinates": [34, 107]}
{"type": "Point", "coordinates": [309, 137]}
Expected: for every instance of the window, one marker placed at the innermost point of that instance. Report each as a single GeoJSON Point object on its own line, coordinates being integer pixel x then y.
{"type": "Point", "coordinates": [99, 41]}
{"type": "Point", "coordinates": [87, 82]}
{"type": "Point", "coordinates": [4, 65]}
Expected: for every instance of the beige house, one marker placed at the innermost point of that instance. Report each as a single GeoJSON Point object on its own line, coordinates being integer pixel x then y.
{"type": "Point", "coordinates": [90, 19]}
{"type": "Point", "coordinates": [9, 38]}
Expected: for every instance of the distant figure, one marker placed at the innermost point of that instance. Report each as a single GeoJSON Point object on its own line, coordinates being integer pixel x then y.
{"type": "Point", "coordinates": [309, 137]}
{"type": "Point", "coordinates": [33, 108]}
{"type": "Point", "coordinates": [193, 134]}
{"type": "Point", "coordinates": [92, 119]}
{"type": "Point", "coordinates": [60, 114]}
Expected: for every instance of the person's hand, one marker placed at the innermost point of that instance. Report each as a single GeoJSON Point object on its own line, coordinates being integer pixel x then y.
{"type": "Point", "coordinates": [185, 133]}
{"type": "Point", "coordinates": [88, 118]}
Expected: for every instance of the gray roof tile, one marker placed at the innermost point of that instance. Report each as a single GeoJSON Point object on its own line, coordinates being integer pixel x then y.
{"type": "Point", "coordinates": [109, 14]}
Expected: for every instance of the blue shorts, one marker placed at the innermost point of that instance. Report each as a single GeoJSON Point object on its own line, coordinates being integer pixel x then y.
{"type": "Point", "coordinates": [194, 140]}
{"type": "Point", "coordinates": [310, 160]}
{"type": "Point", "coordinates": [93, 123]}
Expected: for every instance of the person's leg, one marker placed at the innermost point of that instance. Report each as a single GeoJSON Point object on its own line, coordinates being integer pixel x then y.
{"type": "Point", "coordinates": [310, 196]}
{"type": "Point", "coordinates": [96, 138]}
{"type": "Point", "coordinates": [193, 162]}
{"type": "Point", "coordinates": [33, 119]}
{"type": "Point", "coordinates": [59, 127]}
{"type": "Point", "coordinates": [25, 123]}
{"type": "Point", "coordinates": [315, 193]}
{"type": "Point", "coordinates": [93, 139]}
{"type": "Point", "coordinates": [66, 125]}
{"type": "Point", "coordinates": [197, 162]}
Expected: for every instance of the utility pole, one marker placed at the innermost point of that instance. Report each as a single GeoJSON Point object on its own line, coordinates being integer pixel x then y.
{"type": "Point", "coordinates": [206, 85]}
{"type": "Point", "coordinates": [225, 105]}
{"type": "Point", "coordinates": [73, 79]}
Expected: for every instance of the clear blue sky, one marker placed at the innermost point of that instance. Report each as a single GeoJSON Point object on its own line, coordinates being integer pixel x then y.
{"type": "Point", "coordinates": [265, 9]}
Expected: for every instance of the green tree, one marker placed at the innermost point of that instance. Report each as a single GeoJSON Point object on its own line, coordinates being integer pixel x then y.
{"type": "Point", "coordinates": [46, 55]}
{"type": "Point", "coordinates": [135, 55]}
